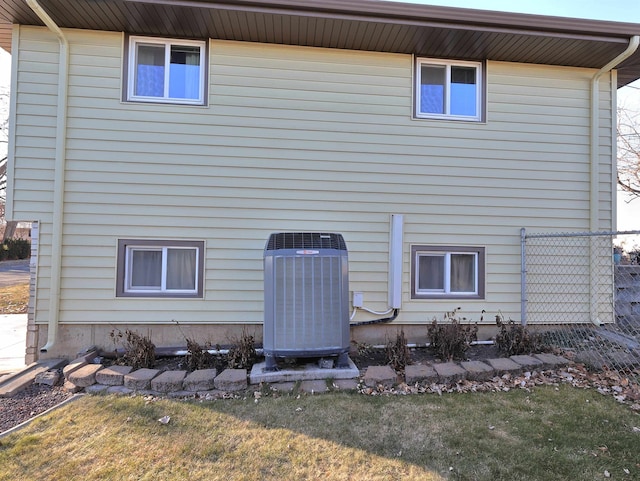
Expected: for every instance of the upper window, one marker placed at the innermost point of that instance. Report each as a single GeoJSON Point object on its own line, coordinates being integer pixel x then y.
{"type": "Point", "coordinates": [162, 70]}
{"type": "Point", "coordinates": [448, 90]}
{"type": "Point", "coordinates": [153, 268]}
{"type": "Point", "coordinates": [447, 272]}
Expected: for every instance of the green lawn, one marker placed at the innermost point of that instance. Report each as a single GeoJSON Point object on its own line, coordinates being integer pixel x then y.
{"type": "Point", "coordinates": [550, 433]}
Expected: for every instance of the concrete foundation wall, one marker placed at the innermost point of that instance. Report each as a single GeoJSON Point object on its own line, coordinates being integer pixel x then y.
{"type": "Point", "coordinates": [75, 339]}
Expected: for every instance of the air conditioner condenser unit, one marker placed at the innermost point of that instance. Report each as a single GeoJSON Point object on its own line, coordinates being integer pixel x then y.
{"type": "Point", "coordinates": [306, 297]}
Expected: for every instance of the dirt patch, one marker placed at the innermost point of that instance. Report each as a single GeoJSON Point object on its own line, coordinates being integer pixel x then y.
{"type": "Point", "coordinates": [365, 357]}
{"type": "Point", "coordinates": [362, 357]}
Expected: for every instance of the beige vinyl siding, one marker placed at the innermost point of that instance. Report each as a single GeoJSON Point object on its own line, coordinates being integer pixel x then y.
{"type": "Point", "coordinates": [30, 186]}
{"type": "Point", "coordinates": [299, 139]}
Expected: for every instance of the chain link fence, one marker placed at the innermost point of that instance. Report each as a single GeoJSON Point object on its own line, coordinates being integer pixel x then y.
{"type": "Point", "coordinates": [582, 290]}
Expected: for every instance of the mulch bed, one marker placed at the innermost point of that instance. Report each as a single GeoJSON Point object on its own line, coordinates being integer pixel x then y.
{"type": "Point", "coordinates": [34, 400]}
{"type": "Point", "coordinates": [421, 355]}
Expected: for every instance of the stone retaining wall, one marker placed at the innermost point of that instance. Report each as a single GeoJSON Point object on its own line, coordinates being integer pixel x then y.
{"type": "Point", "coordinates": [208, 383]}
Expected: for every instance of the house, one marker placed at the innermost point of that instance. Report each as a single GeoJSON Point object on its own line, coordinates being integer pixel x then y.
{"type": "Point", "coordinates": [158, 144]}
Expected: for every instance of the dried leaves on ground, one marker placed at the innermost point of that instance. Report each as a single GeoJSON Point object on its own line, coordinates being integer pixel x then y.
{"type": "Point", "coordinates": [623, 388]}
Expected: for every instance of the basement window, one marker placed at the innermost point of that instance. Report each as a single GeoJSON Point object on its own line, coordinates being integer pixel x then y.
{"type": "Point", "coordinates": [439, 272]}
{"type": "Point", "coordinates": [158, 268]}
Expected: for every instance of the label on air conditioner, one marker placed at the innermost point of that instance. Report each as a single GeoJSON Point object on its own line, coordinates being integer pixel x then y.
{"type": "Point", "coordinates": [307, 252]}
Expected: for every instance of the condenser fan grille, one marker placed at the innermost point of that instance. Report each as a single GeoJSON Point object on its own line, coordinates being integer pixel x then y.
{"type": "Point", "coordinates": [307, 303]}
{"type": "Point", "coordinates": [305, 240]}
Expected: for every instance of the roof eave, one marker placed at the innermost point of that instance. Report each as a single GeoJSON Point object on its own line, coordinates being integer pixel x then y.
{"type": "Point", "coordinates": [594, 42]}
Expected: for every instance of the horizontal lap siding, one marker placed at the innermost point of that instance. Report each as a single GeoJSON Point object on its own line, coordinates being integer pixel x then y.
{"type": "Point", "coordinates": [35, 128]}
{"type": "Point", "coordinates": [528, 166]}
{"type": "Point", "coordinates": [568, 298]}
{"type": "Point", "coordinates": [305, 139]}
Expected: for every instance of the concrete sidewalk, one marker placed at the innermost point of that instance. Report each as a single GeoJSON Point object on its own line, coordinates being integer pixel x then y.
{"type": "Point", "coordinates": [13, 339]}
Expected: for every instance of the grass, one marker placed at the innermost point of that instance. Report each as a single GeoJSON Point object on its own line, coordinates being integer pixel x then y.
{"type": "Point", "coordinates": [14, 299]}
{"type": "Point", "coordinates": [550, 433]}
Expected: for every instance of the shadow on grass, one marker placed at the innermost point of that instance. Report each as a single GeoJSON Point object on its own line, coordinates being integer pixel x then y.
{"type": "Point", "coordinates": [546, 434]}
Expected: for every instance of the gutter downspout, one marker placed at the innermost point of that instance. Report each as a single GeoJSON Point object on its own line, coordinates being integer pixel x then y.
{"type": "Point", "coordinates": [594, 151]}
{"type": "Point", "coordinates": [59, 174]}
{"type": "Point", "coordinates": [595, 120]}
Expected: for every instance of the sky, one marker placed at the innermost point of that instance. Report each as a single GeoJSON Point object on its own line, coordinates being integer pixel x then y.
{"type": "Point", "coordinates": [614, 10]}
{"type": "Point", "coordinates": [611, 10]}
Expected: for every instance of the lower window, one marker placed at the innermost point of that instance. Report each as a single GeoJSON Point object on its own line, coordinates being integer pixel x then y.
{"type": "Point", "coordinates": [447, 272]}
{"type": "Point", "coordinates": [158, 268]}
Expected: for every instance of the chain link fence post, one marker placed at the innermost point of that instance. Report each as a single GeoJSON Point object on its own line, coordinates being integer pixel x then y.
{"type": "Point", "coordinates": [523, 276]}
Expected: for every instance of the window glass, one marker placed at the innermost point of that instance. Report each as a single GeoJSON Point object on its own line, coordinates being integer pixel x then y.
{"type": "Point", "coordinates": [150, 70]}
{"type": "Point", "coordinates": [463, 91]}
{"type": "Point", "coordinates": [432, 85]}
{"type": "Point", "coordinates": [146, 269]}
{"type": "Point", "coordinates": [463, 273]}
{"type": "Point", "coordinates": [184, 72]}
{"type": "Point", "coordinates": [181, 269]}
{"type": "Point", "coordinates": [431, 273]}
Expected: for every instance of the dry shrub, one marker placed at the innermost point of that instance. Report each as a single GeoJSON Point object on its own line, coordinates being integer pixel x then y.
{"type": "Point", "coordinates": [242, 353]}
{"type": "Point", "coordinates": [397, 353]}
{"type": "Point", "coordinates": [139, 351]}
{"type": "Point", "coordinates": [198, 357]}
{"type": "Point", "coordinates": [514, 339]}
{"type": "Point", "coordinates": [451, 339]}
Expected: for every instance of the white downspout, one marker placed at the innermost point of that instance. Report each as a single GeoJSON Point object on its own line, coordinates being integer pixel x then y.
{"type": "Point", "coordinates": [594, 197]}
{"type": "Point", "coordinates": [595, 138]}
{"type": "Point", "coordinates": [59, 174]}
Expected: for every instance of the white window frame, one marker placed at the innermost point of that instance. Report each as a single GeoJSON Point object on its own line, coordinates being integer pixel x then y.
{"type": "Point", "coordinates": [447, 98]}
{"type": "Point", "coordinates": [168, 43]}
{"type": "Point", "coordinates": [124, 272]}
{"type": "Point", "coordinates": [446, 252]}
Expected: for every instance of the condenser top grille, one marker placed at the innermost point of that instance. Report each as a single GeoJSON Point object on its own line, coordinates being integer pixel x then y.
{"type": "Point", "coordinates": [305, 240]}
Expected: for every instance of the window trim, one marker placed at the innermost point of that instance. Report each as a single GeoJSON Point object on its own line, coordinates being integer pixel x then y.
{"type": "Point", "coordinates": [417, 250]}
{"type": "Point", "coordinates": [481, 82]}
{"type": "Point", "coordinates": [126, 245]}
{"type": "Point", "coordinates": [130, 69]}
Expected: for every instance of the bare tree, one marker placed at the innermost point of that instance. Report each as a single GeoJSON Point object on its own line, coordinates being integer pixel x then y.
{"type": "Point", "coordinates": [3, 156]}
{"type": "Point", "coordinates": [10, 227]}
{"type": "Point", "coordinates": [629, 150]}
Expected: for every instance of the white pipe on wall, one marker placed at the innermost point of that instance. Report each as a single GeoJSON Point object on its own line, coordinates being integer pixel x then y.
{"type": "Point", "coordinates": [59, 174]}
{"type": "Point", "coordinates": [594, 151]}
{"type": "Point", "coordinates": [395, 261]}
{"type": "Point", "coordinates": [595, 121]}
